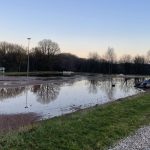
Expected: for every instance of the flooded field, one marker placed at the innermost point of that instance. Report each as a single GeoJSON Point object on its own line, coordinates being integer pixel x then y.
{"type": "Point", "coordinates": [49, 97]}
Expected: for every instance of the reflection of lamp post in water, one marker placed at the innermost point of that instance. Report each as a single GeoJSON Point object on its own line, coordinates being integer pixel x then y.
{"type": "Point", "coordinates": [28, 67]}
{"type": "Point", "coordinates": [26, 97]}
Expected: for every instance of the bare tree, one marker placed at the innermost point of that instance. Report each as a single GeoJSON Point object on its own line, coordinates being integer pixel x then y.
{"type": "Point", "coordinates": [139, 60]}
{"type": "Point", "coordinates": [126, 59]}
{"type": "Point", "coordinates": [12, 55]}
{"type": "Point", "coordinates": [110, 56]}
{"type": "Point", "coordinates": [94, 56]}
{"type": "Point", "coordinates": [48, 47]}
{"type": "Point", "coordinates": [148, 57]}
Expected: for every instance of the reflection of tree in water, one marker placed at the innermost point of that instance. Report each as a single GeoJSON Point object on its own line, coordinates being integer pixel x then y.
{"type": "Point", "coordinates": [126, 84]}
{"type": "Point", "coordinates": [104, 84]}
{"type": "Point", "coordinates": [138, 80]}
{"type": "Point", "coordinates": [120, 83]}
{"type": "Point", "coordinates": [46, 92]}
{"type": "Point", "coordinates": [49, 92]}
{"type": "Point", "coordinates": [10, 92]}
{"type": "Point", "coordinates": [93, 85]}
{"type": "Point", "coordinates": [107, 86]}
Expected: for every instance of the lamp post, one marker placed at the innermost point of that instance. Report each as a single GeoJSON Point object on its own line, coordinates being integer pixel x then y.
{"type": "Point", "coordinates": [28, 63]}
{"type": "Point", "coordinates": [28, 67]}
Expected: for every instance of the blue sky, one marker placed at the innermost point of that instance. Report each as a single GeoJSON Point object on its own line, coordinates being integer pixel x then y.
{"type": "Point", "coordinates": [79, 26]}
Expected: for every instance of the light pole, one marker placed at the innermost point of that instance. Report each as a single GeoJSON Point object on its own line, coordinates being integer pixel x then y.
{"type": "Point", "coordinates": [28, 67]}
{"type": "Point", "coordinates": [28, 63]}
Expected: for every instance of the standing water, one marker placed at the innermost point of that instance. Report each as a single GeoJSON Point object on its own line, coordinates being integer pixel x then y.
{"type": "Point", "coordinates": [54, 97]}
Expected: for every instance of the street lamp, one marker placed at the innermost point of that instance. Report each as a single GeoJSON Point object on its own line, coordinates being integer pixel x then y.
{"type": "Point", "coordinates": [28, 63]}
{"type": "Point", "coordinates": [28, 67]}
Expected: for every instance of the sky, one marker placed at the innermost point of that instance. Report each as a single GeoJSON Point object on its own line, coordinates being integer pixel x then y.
{"type": "Point", "coordinates": [79, 26]}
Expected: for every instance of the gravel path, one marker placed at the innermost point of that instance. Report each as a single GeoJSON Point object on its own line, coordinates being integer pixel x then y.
{"type": "Point", "coordinates": [139, 141]}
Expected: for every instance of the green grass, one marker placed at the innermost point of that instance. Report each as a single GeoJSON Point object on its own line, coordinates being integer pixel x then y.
{"type": "Point", "coordinates": [91, 129]}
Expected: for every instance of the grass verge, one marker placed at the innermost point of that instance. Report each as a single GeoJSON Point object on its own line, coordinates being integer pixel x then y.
{"type": "Point", "coordinates": [90, 129]}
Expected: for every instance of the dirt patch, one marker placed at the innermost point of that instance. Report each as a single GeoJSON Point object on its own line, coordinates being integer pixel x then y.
{"type": "Point", "coordinates": [17, 121]}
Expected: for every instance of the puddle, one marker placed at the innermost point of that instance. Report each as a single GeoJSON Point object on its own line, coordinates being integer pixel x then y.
{"type": "Point", "coordinates": [54, 97]}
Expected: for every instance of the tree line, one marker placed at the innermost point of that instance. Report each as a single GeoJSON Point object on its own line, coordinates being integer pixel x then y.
{"type": "Point", "coordinates": [46, 56]}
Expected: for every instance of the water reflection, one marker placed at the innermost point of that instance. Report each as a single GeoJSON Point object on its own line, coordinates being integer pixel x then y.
{"type": "Point", "coordinates": [46, 93]}
{"type": "Point", "coordinates": [6, 93]}
{"type": "Point", "coordinates": [110, 85]}
{"type": "Point", "coordinates": [126, 84]}
{"type": "Point", "coordinates": [106, 86]}
{"type": "Point", "coordinates": [138, 80]}
{"type": "Point", "coordinates": [93, 85]}
{"type": "Point", "coordinates": [49, 92]}
{"type": "Point", "coordinates": [54, 97]}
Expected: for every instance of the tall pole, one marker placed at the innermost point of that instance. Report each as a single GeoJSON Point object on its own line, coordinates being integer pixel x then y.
{"type": "Point", "coordinates": [28, 63]}
{"type": "Point", "coordinates": [28, 67]}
